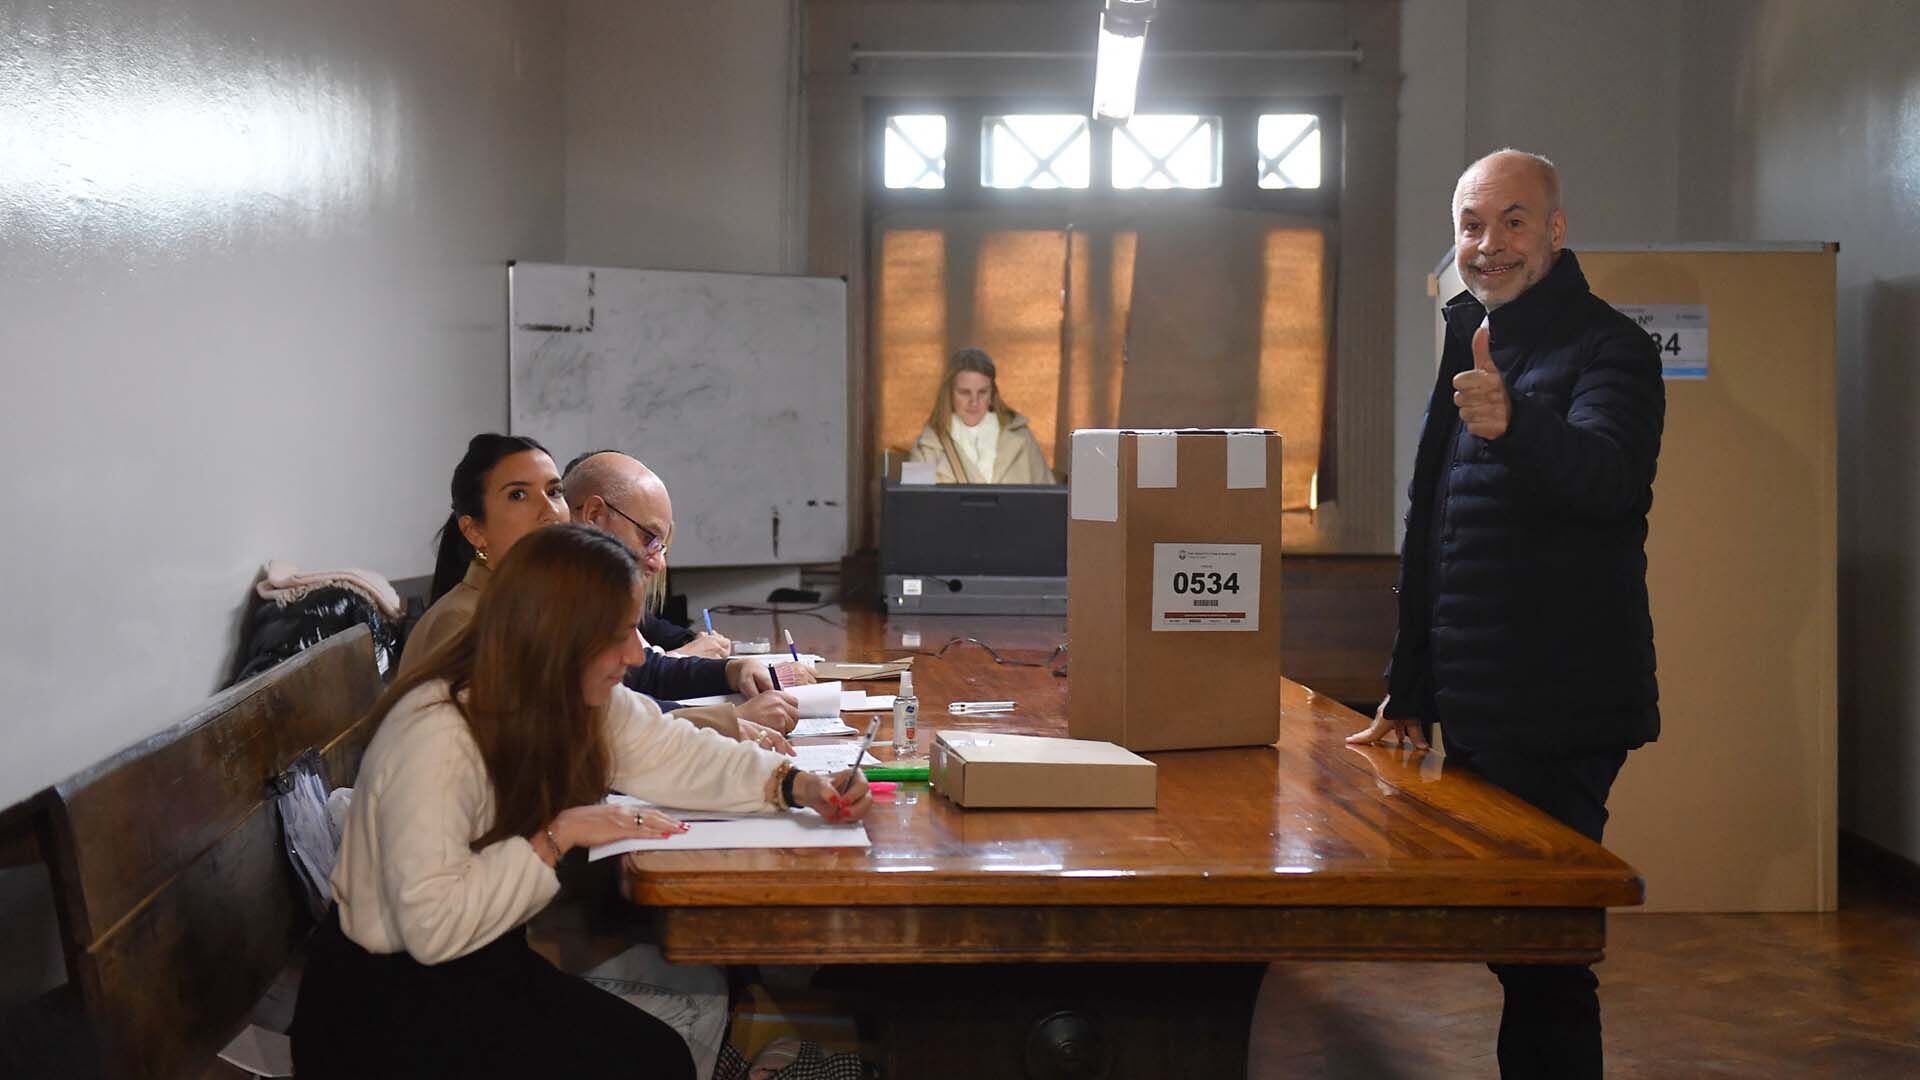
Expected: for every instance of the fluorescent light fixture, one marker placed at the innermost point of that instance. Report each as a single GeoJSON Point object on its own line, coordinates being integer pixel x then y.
{"type": "Point", "coordinates": [1116, 65]}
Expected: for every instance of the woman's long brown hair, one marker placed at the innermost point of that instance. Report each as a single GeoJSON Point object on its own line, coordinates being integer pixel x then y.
{"type": "Point", "coordinates": [560, 597]}
{"type": "Point", "coordinates": [977, 361]}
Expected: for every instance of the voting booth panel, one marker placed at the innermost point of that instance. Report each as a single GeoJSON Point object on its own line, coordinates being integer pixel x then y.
{"type": "Point", "coordinates": [1173, 584]}
{"type": "Point", "coordinates": [1734, 808]}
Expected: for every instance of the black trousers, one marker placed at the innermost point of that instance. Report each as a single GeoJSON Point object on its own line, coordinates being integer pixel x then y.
{"type": "Point", "coordinates": [502, 1011]}
{"type": "Point", "coordinates": [1550, 1025]}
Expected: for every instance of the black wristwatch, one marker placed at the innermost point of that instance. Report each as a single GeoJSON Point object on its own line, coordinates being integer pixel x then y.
{"type": "Point", "coordinates": [786, 788]}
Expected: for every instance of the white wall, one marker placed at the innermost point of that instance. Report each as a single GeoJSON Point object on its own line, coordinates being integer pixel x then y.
{"type": "Point", "coordinates": [1433, 151]}
{"type": "Point", "coordinates": [1591, 86]}
{"type": "Point", "coordinates": [680, 145]}
{"type": "Point", "coordinates": [1824, 103]}
{"type": "Point", "coordinates": [253, 307]}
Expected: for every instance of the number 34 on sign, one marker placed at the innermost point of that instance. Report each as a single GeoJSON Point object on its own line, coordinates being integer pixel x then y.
{"type": "Point", "coordinates": [1679, 331]}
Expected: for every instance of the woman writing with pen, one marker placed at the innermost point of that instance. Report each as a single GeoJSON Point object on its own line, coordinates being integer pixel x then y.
{"type": "Point", "coordinates": [488, 766]}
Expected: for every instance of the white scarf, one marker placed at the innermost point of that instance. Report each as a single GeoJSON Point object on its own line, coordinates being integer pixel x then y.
{"type": "Point", "coordinates": [977, 444]}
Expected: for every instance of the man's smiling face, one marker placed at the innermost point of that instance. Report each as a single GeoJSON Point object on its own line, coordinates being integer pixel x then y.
{"type": "Point", "coordinates": [1507, 227]}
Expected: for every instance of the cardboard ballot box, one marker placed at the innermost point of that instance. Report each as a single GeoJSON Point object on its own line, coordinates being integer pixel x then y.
{"type": "Point", "coordinates": [1173, 588]}
{"type": "Point", "coordinates": [988, 768]}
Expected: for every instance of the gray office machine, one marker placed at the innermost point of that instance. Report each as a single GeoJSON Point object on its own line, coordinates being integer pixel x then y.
{"type": "Point", "coordinates": [974, 549]}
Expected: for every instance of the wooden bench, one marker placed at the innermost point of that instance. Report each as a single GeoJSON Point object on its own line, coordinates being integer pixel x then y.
{"type": "Point", "coordinates": [177, 903]}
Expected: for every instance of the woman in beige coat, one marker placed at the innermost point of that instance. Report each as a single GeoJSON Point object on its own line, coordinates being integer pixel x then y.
{"type": "Point", "coordinates": [972, 436]}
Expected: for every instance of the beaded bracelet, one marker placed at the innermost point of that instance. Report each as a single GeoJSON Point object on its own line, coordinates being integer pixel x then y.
{"type": "Point", "coordinates": [557, 853]}
{"type": "Point", "coordinates": [787, 775]}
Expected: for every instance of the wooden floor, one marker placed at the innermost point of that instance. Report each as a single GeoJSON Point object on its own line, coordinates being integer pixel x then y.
{"type": "Point", "coordinates": [1682, 996]}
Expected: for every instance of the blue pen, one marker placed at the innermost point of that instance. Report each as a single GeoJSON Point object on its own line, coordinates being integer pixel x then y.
{"type": "Point", "coordinates": [774, 675]}
{"type": "Point", "coordinates": [707, 614]}
{"type": "Point", "coordinates": [791, 651]}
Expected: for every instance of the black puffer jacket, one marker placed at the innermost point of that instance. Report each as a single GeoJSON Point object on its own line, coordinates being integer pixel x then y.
{"type": "Point", "coordinates": [1523, 596]}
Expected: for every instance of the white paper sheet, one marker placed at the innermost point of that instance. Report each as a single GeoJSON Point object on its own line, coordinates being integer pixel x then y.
{"type": "Point", "coordinates": [771, 657]}
{"type": "Point", "coordinates": [807, 729]}
{"type": "Point", "coordinates": [713, 699]}
{"type": "Point", "coordinates": [861, 701]}
{"type": "Point", "coordinates": [825, 757]}
{"type": "Point", "coordinates": [794, 829]}
{"type": "Point", "coordinates": [710, 830]}
{"type": "Point", "coordinates": [817, 700]}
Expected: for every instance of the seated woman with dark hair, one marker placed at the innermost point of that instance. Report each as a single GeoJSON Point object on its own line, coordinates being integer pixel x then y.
{"type": "Point", "coordinates": [504, 488]}
{"type": "Point", "coordinates": [488, 766]}
{"type": "Point", "coordinates": [973, 436]}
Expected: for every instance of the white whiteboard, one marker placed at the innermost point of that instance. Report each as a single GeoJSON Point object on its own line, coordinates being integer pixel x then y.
{"type": "Point", "coordinates": [732, 387]}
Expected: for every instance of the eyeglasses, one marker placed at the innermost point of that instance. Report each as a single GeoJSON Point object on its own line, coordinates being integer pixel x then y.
{"type": "Point", "coordinates": [651, 542]}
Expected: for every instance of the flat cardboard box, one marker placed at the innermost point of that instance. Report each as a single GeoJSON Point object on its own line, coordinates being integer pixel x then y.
{"type": "Point", "coordinates": [1173, 588]}
{"type": "Point", "coordinates": [991, 769]}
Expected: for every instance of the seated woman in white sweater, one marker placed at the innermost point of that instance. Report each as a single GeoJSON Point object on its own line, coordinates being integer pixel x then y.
{"type": "Point", "coordinates": [488, 766]}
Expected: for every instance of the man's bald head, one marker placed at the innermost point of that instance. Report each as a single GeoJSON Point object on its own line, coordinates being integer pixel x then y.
{"type": "Point", "coordinates": [1508, 227]}
{"type": "Point", "coordinates": [612, 475]}
{"type": "Point", "coordinates": [1514, 164]}
{"type": "Point", "coordinates": [614, 492]}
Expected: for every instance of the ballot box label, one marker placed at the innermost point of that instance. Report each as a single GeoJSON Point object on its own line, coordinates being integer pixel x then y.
{"type": "Point", "coordinates": [1679, 331]}
{"type": "Point", "coordinates": [1206, 586]}
{"type": "Point", "coordinates": [910, 586]}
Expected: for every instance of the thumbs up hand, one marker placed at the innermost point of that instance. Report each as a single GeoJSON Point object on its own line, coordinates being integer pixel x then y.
{"type": "Point", "coordinates": [1481, 394]}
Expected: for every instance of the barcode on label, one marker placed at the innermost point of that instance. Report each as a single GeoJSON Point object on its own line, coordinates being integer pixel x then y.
{"type": "Point", "coordinates": [1205, 603]}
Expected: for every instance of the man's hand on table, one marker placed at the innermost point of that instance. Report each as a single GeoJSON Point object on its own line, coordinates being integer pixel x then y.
{"type": "Point", "coordinates": [711, 646]}
{"type": "Point", "coordinates": [1390, 729]}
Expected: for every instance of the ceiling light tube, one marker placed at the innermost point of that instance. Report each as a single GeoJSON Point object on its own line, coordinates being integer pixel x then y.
{"type": "Point", "coordinates": [1116, 66]}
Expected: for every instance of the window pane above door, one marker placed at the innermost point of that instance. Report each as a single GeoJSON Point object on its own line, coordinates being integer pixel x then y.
{"type": "Point", "coordinates": [916, 151]}
{"type": "Point", "coordinates": [1167, 151]}
{"type": "Point", "coordinates": [1289, 145]}
{"type": "Point", "coordinates": [1035, 151]}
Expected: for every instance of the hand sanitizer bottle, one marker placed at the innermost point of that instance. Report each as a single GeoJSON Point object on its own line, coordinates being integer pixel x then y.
{"type": "Point", "coordinates": [906, 719]}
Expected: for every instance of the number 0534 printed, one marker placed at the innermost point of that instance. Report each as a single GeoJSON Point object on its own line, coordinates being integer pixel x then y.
{"type": "Point", "coordinates": [1206, 586]}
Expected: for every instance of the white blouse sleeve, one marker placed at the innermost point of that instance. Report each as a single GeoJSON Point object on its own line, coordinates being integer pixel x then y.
{"type": "Point", "coordinates": [447, 899]}
{"type": "Point", "coordinates": [667, 760]}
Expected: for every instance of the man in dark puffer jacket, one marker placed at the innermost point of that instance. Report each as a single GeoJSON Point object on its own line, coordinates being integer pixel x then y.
{"type": "Point", "coordinates": [1524, 625]}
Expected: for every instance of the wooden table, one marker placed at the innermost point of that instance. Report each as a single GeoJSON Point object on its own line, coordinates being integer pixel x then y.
{"type": "Point", "coordinates": [1058, 943]}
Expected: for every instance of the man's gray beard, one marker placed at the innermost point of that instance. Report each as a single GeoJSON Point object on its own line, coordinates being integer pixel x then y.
{"type": "Point", "coordinates": [1492, 305]}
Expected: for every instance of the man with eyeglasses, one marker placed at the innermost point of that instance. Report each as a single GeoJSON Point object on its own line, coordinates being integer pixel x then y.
{"type": "Point", "coordinates": [618, 495]}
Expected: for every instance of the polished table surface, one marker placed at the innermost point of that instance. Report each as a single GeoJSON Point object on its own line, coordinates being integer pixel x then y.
{"type": "Point", "coordinates": [1306, 849]}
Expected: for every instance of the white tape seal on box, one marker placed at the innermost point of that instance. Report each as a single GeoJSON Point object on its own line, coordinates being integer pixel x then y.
{"type": "Point", "coordinates": [1093, 492]}
{"type": "Point", "coordinates": [1246, 459]}
{"type": "Point", "coordinates": [1157, 459]}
